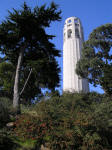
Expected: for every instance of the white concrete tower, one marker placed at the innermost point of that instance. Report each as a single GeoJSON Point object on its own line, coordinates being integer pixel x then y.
{"type": "Point", "coordinates": [72, 45]}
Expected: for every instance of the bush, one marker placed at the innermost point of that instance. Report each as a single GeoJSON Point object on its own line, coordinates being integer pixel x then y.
{"type": "Point", "coordinates": [4, 111]}
{"type": "Point", "coordinates": [71, 121]}
{"type": "Point", "coordinates": [6, 143]}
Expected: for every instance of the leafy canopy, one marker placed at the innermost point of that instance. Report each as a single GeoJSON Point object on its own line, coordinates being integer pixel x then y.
{"type": "Point", "coordinates": [96, 61]}
{"type": "Point", "coordinates": [26, 28]}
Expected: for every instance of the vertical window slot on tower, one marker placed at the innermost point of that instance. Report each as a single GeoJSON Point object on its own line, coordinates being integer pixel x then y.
{"type": "Point", "coordinates": [77, 33]}
{"type": "Point", "coordinates": [69, 33]}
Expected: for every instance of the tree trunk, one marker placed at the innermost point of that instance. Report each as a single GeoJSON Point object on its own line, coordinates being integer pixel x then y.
{"type": "Point", "coordinates": [16, 96]}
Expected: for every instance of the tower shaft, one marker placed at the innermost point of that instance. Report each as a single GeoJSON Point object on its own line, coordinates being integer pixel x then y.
{"type": "Point", "coordinates": [72, 45]}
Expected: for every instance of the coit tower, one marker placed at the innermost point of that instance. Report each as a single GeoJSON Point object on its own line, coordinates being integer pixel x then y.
{"type": "Point", "coordinates": [72, 45]}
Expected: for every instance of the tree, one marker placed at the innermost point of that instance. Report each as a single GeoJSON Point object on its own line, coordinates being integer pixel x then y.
{"type": "Point", "coordinates": [96, 61]}
{"type": "Point", "coordinates": [28, 90]}
{"type": "Point", "coordinates": [24, 41]}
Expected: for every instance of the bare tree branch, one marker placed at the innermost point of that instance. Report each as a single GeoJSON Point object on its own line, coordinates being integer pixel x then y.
{"type": "Point", "coordinates": [26, 82]}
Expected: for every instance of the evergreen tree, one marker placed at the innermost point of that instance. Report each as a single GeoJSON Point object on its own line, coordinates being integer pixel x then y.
{"type": "Point", "coordinates": [96, 61]}
{"type": "Point", "coordinates": [25, 43]}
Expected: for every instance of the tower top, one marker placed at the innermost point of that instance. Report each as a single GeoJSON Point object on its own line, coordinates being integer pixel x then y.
{"type": "Point", "coordinates": [72, 19]}
{"type": "Point", "coordinates": [72, 29]}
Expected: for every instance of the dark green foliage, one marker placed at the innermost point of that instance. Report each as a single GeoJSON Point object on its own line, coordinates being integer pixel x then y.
{"type": "Point", "coordinates": [71, 121]}
{"type": "Point", "coordinates": [96, 61]}
{"type": "Point", "coordinates": [5, 106]}
{"type": "Point", "coordinates": [28, 26]}
{"type": "Point", "coordinates": [7, 73]}
{"type": "Point", "coordinates": [3, 115]}
{"type": "Point", "coordinates": [6, 143]}
{"type": "Point", "coordinates": [26, 45]}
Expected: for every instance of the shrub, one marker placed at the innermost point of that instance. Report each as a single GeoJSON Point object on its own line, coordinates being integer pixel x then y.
{"type": "Point", "coordinates": [71, 121]}
{"type": "Point", "coordinates": [4, 111]}
{"type": "Point", "coordinates": [6, 142]}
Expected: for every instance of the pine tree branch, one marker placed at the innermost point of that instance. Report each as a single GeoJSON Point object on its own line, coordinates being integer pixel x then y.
{"type": "Point", "coordinates": [26, 82]}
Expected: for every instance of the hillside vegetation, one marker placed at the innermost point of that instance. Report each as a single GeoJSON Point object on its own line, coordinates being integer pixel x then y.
{"type": "Point", "coordinates": [67, 122]}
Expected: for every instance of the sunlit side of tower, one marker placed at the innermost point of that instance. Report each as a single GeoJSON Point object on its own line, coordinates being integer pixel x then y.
{"type": "Point", "coordinates": [72, 45]}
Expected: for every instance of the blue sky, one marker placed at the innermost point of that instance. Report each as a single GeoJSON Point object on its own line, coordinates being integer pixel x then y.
{"type": "Point", "coordinates": [92, 14]}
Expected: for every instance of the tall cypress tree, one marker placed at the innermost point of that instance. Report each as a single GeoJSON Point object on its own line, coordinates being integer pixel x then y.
{"type": "Point", "coordinates": [24, 41]}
